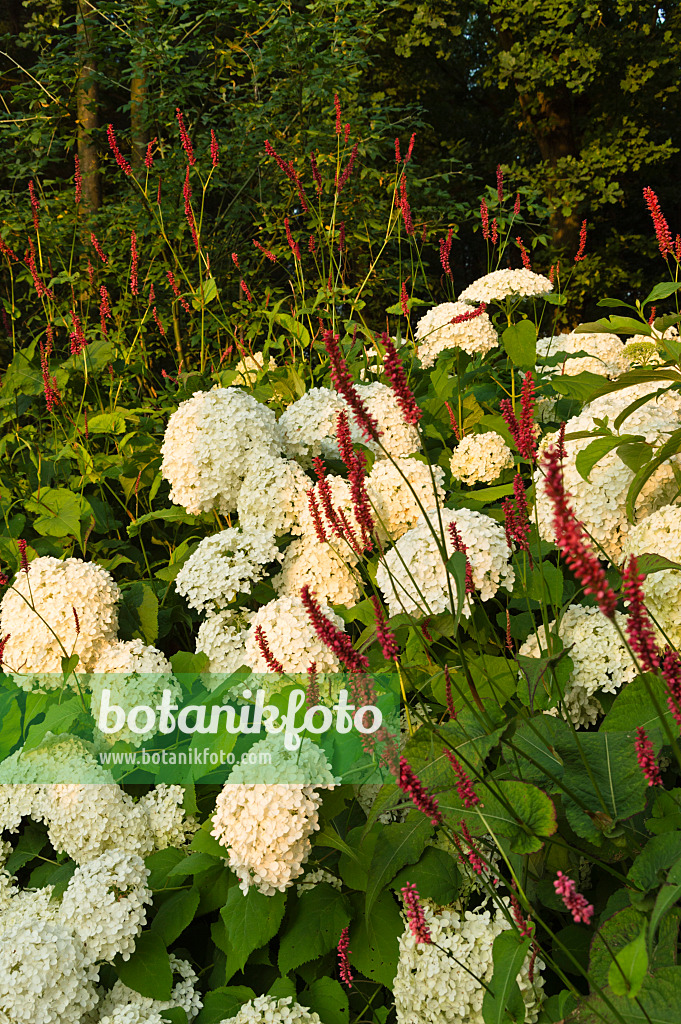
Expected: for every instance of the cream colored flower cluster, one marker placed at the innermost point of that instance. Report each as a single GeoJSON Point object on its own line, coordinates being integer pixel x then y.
{"type": "Point", "coordinates": [600, 502]}
{"type": "Point", "coordinates": [123, 1004]}
{"type": "Point", "coordinates": [413, 577]}
{"type": "Point", "coordinates": [400, 491]}
{"type": "Point", "coordinates": [134, 674]}
{"type": "Point", "coordinates": [601, 661]}
{"type": "Point", "coordinates": [208, 443]}
{"type": "Point", "coordinates": [443, 981]}
{"type": "Point", "coordinates": [322, 567]}
{"type": "Point", "coordinates": [481, 458]}
{"type": "Point", "coordinates": [660, 534]}
{"type": "Point", "coordinates": [435, 332]}
{"type": "Point", "coordinates": [222, 637]}
{"type": "Point", "coordinates": [502, 284]}
{"type": "Point", "coordinates": [248, 368]}
{"type": "Point", "coordinates": [311, 879]}
{"type": "Point", "coordinates": [291, 637]}
{"type": "Point", "coordinates": [269, 1010]}
{"type": "Point", "coordinates": [273, 495]}
{"type": "Point", "coordinates": [606, 357]}
{"type": "Point", "coordinates": [224, 565]}
{"type": "Point", "coordinates": [37, 612]}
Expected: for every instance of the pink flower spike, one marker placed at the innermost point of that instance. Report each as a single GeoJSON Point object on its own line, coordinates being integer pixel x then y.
{"type": "Point", "coordinates": [662, 232]}
{"type": "Point", "coordinates": [184, 137]}
{"type": "Point", "coordinates": [464, 784]}
{"type": "Point", "coordinates": [581, 911]}
{"type": "Point", "coordinates": [639, 628]}
{"type": "Point", "coordinates": [582, 243]}
{"type": "Point", "coordinates": [272, 663]}
{"type": "Point", "coordinates": [671, 673]}
{"type": "Point", "coordinates": [394, 371]}
{"type": "Point", "coordinates": [334, 638]}
{"type": "Point", "coordinates": [500, 184]}
{"type": "Point", "coordinates": [214, 148]}
{"type": "Point", "coordinates": [645, 756]}
{"type": "Point", "coordinates": [409, 783]}
{"type": "Point", "coordinates": [312, 692]}
{"type": "Point", "coordinates": [415, 915]}
{"type": "Point", "coordinates": [23, 557]}
{"type": "Point", "coordinates": [120, 159]}
{"type": "Point", "coordinates": [344, 970]}
{"type": "Point", "coordinates": [386, 637]}
{"type": "Point", "coordinates": [343, 383]}
{"type": "Point", "coordinates": [78, 181]}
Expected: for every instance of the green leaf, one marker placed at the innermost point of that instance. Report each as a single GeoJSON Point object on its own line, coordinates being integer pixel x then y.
{"type": "Point", "coordinates": [503, 998]}
{"type": "Point", "coordinates": [223, 1003]}
{"type": "Point", "coordinates": [250, 920]}
{"type": "Point", "coordinates": [58, 512]}
{"type": "Point", "coordinates": [58, 718]}
{"type": "Point", "coordinates": [520, 344]}
{"type": "Point", "coordinates": [175, 914]}
{"type": "Point", "coordinates": [169, 515]}
{"type": "Point", "coordinates": [435, 875]}
{"type": "Point", "coordinates": [615, 325]}
{"type": "Point", "coordinates": [661, 291]}
{"type": "Point", "coordinates": [666, 898]}
{"type": "Point", "coordinates": [650, 563]}
{"type": "Point", "coordinates": [31, 842]}
{"type": "Point", "coordinates": [521, 812]}
{"type": "Point", "coordinates": [630, 967]}
{"type": "Point", "coordinates": [373, 942]}
{"type": "Point", "coordinates": [141, 601]}
{"type": "Point", "coordinates": [634, 454]}
{"type": "Point", "coordinates": [207, 293]}
{"type": "Point", "coordinates": [633, 706]}
{"type": "Point", "coordinates": [292, 326]}
{"type": "Point", "coordinates": [318, 919]}
{"type": "Point", "coordinates": [397, 844]}
{"type": "Point", "coordinates": [68, 665]}
{"type": "Point", "coordinates": [148, 970]}
{"type": "Point", "coordinates": [282, 987]}
{"type": "Point", "coordinates": [598, 449]}
{"type": "Point", "coordinates": [355, 870]}
{"type": "Point", "coordinates": [672, 446]}
{"type": "Point", "coordinates": [658, 855]}
{"type": "Point", "coordinates": [583, 386]}
{"type": "Point", "coordinates": [174, 1015]}
{"type": "Point", "coordinates": [657, 1003]}
{"type": "Point", "coordinates": [328, 999]}
{"type": "Point", "coordinates": [10, 723]}
{"type": "Point", "coordinates": [107, 423]}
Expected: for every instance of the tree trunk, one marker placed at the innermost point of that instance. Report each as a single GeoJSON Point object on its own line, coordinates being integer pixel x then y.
{"type": "Point", "coordinates": [87, 105]}
{"type": "Point", "coordinates": [138, 100]}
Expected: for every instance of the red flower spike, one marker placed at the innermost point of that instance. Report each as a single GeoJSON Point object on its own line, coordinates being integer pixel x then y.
{"type": "Point", "coordinates": [414, 913]}
{"type": "Point", "coordinates": [448, 695]}
{"type": "Point", "coordinates": [316, 176]}
{"type": "Point", "coordinates": [404, 299]}
{"type": "Point", "coordinates": [184, 137]}
{"type": "Point", "coordinates": [410, 784]}
{"type": "Point", "coordinates": [474, 858]}
{"type": "Point", "coordinates": [445, 250]}
{"type": "Point", "coordinates": [398, 156]}
{"type": "Point", "coordinates": [405, 209]}
{"type": "Point", "coordinates": [639, 628]}
{"type": "Point", "coordinates": [463, 318]}
{"type": "Point", "coordinates": [23, 557]}
{"type": "Point", "coordinates": [245, 290]}
{"type": "Point", "coordinates": [272, 663]}
{"type": "Point", "coordinates": [570, 538]}
{"type": "Point", "coordinates": [582, 243]}
{"type": "Point", "coordinates": [516, 205]}
{"type": "Point", "coordinates": [671, 673]}
{"type": "Point", "coordinates": [77, 620]}
{"type": "Point", "coordinates": [3, 644]}
{"type": "Point", "coordinates": [98, 249]}
{"type": "Point", "coordinates": [524, 927]}
{"type": "Point", "coordinates": [385, 636]}
{"type": "Point", "coordinates": [344, 970]}
{"type": "Point", "coordinates": [459, 545]}
{"type": "Point", "coordinates": [524, 255]}
{"type": "Point", "coordinates": [394, 371]}
{"type": "Point", "coordinates": [336, 103]}
{"type": "Point", "coordinates": [120, 159]}
{"type": "Point", "coordinates": [188, 212]}
{"type": "Point", "coordinates": [494, 233]}
{"type": "Point", "coordinates": [452, 420]}
{"type": "Point", "coordinates": [662, 232]}
{"type": "Point", "coordinates": [464, 784]}
{"type": "Point", "coordinates": [149, 160]}
{"type": "Point", "coordinates": [645, 755]}
{"type": "Point", "coordinates": [214, 148]}
{"type": "Point", "coordinates": [78, 340]}
{"type": "Point", "coordinates": [342, 381]}
{"type": "Point", "coordinates": [316, 517]}
{"type": "Point", "coordinates": [337, 641]}
{"type": "Point", "coordinates": [312, 693]}
{"type": "Point", "coordinates": [581, 910]}
{"type": "Point", "coordinates": [78, 181]}
{"type": "Point", "coordinates": [500, 184]}
{"type": "Point", "coordinates": [343, 180]}
{"type": "Point", "coordinates": [35, 206]}
{"type": "Point", "coordinates": [410, 148]}
{"type": "Point", "coordinates": [134, 282]}
{"type": "Point", "coordinates": [293, 246]}
{"type": "Point", "coordinates": [484, 217]}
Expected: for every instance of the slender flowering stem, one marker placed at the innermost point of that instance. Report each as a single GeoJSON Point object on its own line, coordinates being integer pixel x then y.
{"type": "Point", "coordinates": [149, 158]}
{"type": "Point", "coordinates": [214, 148]}
{"type": "Point", "coordinates": [448, 695]}
{"type": "Point", "coordinates": [524, 255]}
{"type": "Point", "coordinates": [184, 137]}
{"type": "Point", "coordinates": [343, 382]}
{"type": "Point", "coordinates": [582, 243]}
{"type": "Point", "coordinates": [316, 516]}
{"type": "Point", "coordinates": [394, 371]}
{"type": "Point", "coordinates": [662, 232]}
{"type": "Point", "coordinates": [464, 784]}
{"type": "Point", "coordinates": [459, 545]}
{"type": "Point", "coordinates": [404, 299]}
{"type": "Point", "coordinates": [98, 249]}
{"type": "Point", "coordinates": [273, 664]}
{"type": "Point", "coordinates": [120, 159]}
{"type": "Point", "coordinates": [581, 910]}
{"type": "Point", "coordinates": [645, 755]}
{"type": "Point", "coordinates": [23, 557]}
{"type": "Point", "coordinates": [415, 915]}
{"type": "Point", "coordinates": [445, 250]}
{"type": "Point", "coordinates": [78, 181]}
{"type": "Point", "coordinates": [385, 636]}
{"type": "Point", "coordinates": [639, 628]}
{"type": "Point", "coordinates": [484, 217]}
{"type": "Point", "coordinates": [344, 970]}
{"type": "Point", "coordinates": [409, 783]}
{"type": "Point", "coordinates": [134, 282]}
{"type": "Point", "coordinates": [337, 641]}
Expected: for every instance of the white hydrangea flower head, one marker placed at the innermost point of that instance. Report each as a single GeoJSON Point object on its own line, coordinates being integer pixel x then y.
{"type": "Point", "coordinates": [248, 368]}
{"type": "Point", "coordinates": [322, 567]}
{"type": "Point", "coordinates": [436, 333]}
{"type": "Point", "coordinates": [397, 438]}
{"type": "Point", "coordinates": [481, 458]}
{"type": "Point", "coordinates": [309, 424]}
{"type": "Point", "coordinates": [105, 904]}
{"type": "Point", "coordinates": [134, 674]}
{"type": "Point", "coordinates": [660, 534]}
{"type": "Point", "coordinates": [225, 565]}
{"type": "Point", "coordinates": [600, 502]}
{"type": "Point", "coordinates": [412, 575]}
{"type": "Point", "coordinates": [270, 1010]}
{"type": "Point", "coordinates": [601, 661]}
{"type": "Point", "coordinates": [269, 761]}
{"type": "Point", "coordinates": [207, 444]}
{"type": "Point", "coordinates": [397, 508]}
{"type": "Point", "coordinates": [291, 637]}
{"type": "Point", "coordinates": [46, 974]}
{"type": "Point", "coordinates": [85, 821]}
{"type": "Point", "coordinates": [38, 639]}
{"type": "Point", "coordinates": [442, 981]}
{"type": "Point", "coordinates": [165, 816]}
{"type": "Point", "coordinates": [266, 830]}
{"type": "Point", "coordinates": [341, 499]}
{"type": "Point", "coordinates": [606, 357]}
{"type": "Point", "coordinates": [501, 284]}
{"type": "Point", "coordinates": [122, 1000]}
{"type": "Point", "coordinates": [222, 637]}
{"type": "Point", "coordinates": [272, 498]}
{"type": "Point", "coordinates": [312, 879]}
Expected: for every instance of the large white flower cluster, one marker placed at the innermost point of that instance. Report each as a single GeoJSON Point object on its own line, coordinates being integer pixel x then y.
{"type": "Point", "coordinates": [248, 368]}
{"type": "Point", "coordinates": [501, 284]}
{"type": "Point", "coordinates": [123, 1004]}
{"type": "Point", "coordinates": [601, 661]}
{"type": "Point", "coordinates": [208, 443]}
{"type": "Point", "coordinates": [269, 1010]}
{"type": "Point", "coordinates": [309, 424]}
{"type": "Point", "coordinates": [134, 674]}
{"type": "Point", "coordinates": [481, 458]}
{"type": "Point", "coordinates": [322, 567]}
{"type": "Point", "coordinates": [272, 498]}
{"type": "Point", "coordinates": [222, 636]}
{"type": "Point", "coordinates": [397, 502]}
{"type": "Point", "coordinates": [607, 355]}
{"type": "Point", "coordinates": [225, 565]}
{"type": "Point", "coordinates": [413, 576]}
{"type": "Point", "coordinates": [40, 638]}
{"type": "Point", "coordinates": [600, 502]}
{"type": "Point", "coordinates": [660, 534]}
{"type": "Point", "coordinates": [435, 332]}
{"type": "Point", "coordinates": [291, 637]}
{"type": "Point", "coordinates": [443, 981]}
{"type": "Point", "coordinates": [341, 500]}
{"type": "Point", "coordinates": [266, 830]}
{"type": "Point", "coordinates": [105, 904]}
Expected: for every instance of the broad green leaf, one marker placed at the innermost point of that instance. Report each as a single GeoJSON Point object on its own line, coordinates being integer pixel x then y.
{"type": "Point", "coordinates": [58, 718]}
{"type": "Point", "coordinates": [373, 942]}
{"type": "Point", "coordinates": [456, 567]}
{"type": "Point", "coordinates": [651, 866]}
{"type": "Point", "coordinates": [672, 446]}
{"type": "Point", "coordinates": [355, 870]}
{"type": "Point", "coordinates": [329, 1000]}
{"type": "Point", "coordinates": [648, 564]}
{"type": "Point", "coordinates": [174, 514]}
{"type": "Point", "coordinates": [174, 1015]}
{"type": "Point", "coordinates": [318, 920]}
{"type": "Point", "coordinates": [598, 449]}
{"type": "Point", "coordinates": [10, 723]}
{"type": "Point", "coordinates": [583, 386]}
{"type": "Point", "coordinates": [657, 1003]}
{"type": "Point", "coordinates": [435, 875]}
{"type": "Point", "coordinates": [634, 454]}
{"type": "Point", "coordinates": [520, 344]}
{"type": "Point", "coordinates": [615, 325]}
{"type": "Point", "coordinates": [398, 844]}
{"type": "Point", "coordinates": [281, 988]}
{"type": "Point", "coordinates": [141, 603]}
{"type": "Point", "coordinates": [250, 920]}
{"type": "Point", "coordinates": [667, 897]}
{"type": "Point", "coordinates": [29, 845]}
{"type": "Point", "coordinates": [662, 291]}
{"type": "Point", "coordinates": [148, 970]}
{"type": "Point", "coordinates": [610, 939]}
{"type": "Point", "coordinates": [175, 914]}
{"type": "Point", "coordinates": [107, 423]}
{"type": "Point", "coordinates": [58, 512]}
{"type": "Point", "coordinates": [502, 999]}
{"type": "Point", "coordinates": [206, 294]}
{"type": "Point", "coordinates": [545, 580]}
{"type": "Point", "coordinates": [634, 706]}
{"type": "Point", "coordinates": [223, 1003]}
{"type": "Point", "coordinates": [630, 967]}
{"type": "Point", "coordinates": [522, 813]}
{"type": "Point", "coordinates": [292, 327]}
